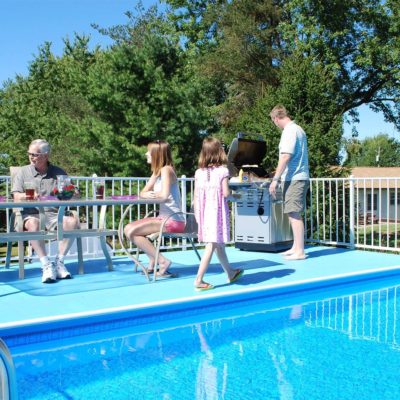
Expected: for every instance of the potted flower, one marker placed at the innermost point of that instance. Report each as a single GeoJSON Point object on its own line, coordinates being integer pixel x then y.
{"type": "Point", "coordinates": [66, 193]}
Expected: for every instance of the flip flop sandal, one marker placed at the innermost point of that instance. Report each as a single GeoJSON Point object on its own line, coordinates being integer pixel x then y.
{"type": "Point", "coordinates": [150, 271]}
{"type": "Point", "coordinates": [203, 286]}
{"type": "Point", "coordinates": [166, 275]}
{"type": "Point", "coordinates": [237, 275]}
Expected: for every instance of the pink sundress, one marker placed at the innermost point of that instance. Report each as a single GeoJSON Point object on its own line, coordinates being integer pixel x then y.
{"type": "Point", "coordinates": [212, 211]}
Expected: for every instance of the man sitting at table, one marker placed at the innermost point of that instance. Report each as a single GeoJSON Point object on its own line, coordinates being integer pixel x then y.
{"type": "Point", "coordinates": [44, 177]}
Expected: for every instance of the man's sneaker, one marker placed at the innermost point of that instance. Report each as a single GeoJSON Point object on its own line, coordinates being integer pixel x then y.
{"type": "Point", "coordinates": [61, 271]}
{"type": "Point", "coordinates": [49, 273]}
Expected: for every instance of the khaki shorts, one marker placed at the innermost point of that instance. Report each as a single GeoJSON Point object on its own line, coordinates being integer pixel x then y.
{"type": "Point", "coordinates": [50, 219]}
{"type": "Point", "coordinates": [294, 196]}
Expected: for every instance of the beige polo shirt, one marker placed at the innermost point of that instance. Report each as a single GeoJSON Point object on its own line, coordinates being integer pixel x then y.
{"type": "Point", "coordinates": [44, 183]}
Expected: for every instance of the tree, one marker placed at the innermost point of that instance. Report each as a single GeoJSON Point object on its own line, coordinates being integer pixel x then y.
{"type": "Point", "coordinates": [51, 104]}
{"type": "Point", "coordinates": [359, 41]}
{"type": "Point", "coordinates": [378, 151]}
{"type": "Point", "coordinates": [237, 46]}
{"type": "Point", "coordinates": [98, 109]}
{"type": "Point", "coordinates": [148, 92]}
{"type": "Point", "coordinates": [307, 90]}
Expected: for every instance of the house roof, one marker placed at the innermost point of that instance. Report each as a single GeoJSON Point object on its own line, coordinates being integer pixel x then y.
{"type": "Point", "coordinates": [375, 172]}
{"type": "Point", "coordinates": [364, 177]}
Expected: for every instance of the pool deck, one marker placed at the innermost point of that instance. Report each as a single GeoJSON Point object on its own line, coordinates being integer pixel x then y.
{"type": "Point", "coordinates": [28, 303]}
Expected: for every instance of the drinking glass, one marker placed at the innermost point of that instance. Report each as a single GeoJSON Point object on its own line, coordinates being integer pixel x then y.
{"type": "Point", "coordinates": [29, 187]}
{"type": "Point", "coordinates": [99, 187]}
{"type": "Point", "coordinates": [62, 181]}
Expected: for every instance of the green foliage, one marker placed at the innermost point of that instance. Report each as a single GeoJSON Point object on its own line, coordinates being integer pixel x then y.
{"type": "Point", "coordinates": [208, 67]}
{"type": "Point", "coordinates": [357, 40]}
{"type": "Point", "coordinates": [146, 93]}
{"type": "Point", "coordinates": [51, 104]}
{"type": "Point", "coordinates": [249, 42]}
{"type": "Point", "coordinates": [197, 21]}
{"type": "Point", "coordinates": [308, 92]}
{"type": "Point", "coordinates": [99, 109]}
{"type": "Point", "coordinates": [380, 150]}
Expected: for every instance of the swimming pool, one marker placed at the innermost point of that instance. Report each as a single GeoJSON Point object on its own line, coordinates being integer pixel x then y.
{"type": "Point", "coordinates": [332, 343]}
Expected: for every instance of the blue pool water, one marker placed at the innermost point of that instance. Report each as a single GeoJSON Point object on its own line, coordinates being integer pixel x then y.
{"type": "Point", "coordinates": [330, 344]}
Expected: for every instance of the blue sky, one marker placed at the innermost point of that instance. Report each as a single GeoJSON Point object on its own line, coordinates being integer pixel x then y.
{"type": "Point", "coordinates": [27, 24]}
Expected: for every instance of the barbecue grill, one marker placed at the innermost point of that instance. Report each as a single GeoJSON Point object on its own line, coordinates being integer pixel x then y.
{"type": "Point", "coordinates": [260, 224]}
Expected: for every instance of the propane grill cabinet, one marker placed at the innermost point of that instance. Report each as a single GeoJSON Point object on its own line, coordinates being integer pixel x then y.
{"type": "Point", "coordinates": [260, 224]}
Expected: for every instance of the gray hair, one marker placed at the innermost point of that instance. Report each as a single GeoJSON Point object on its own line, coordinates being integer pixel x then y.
{"type": "Point", "coordinates": [44, 146]}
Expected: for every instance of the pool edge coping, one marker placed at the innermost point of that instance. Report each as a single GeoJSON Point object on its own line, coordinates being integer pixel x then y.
{"type": "Point", "coordinates": [202, 299]}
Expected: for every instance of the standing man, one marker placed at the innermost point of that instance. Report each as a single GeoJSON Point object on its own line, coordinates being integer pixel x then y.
{"type": "Point", "coordinates": [293, 171]}
{"type": "Point", "coordinates": [43, 175]}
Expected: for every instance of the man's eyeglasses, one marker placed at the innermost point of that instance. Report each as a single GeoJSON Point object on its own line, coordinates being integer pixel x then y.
{"type": "Point", "coordinates": [35, 154]}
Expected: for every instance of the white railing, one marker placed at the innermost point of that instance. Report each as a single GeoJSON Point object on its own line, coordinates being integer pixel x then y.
{"type": "Point", "coordinates": [354, 212]}
{"type": "Point", "coordinates": [89, 217]}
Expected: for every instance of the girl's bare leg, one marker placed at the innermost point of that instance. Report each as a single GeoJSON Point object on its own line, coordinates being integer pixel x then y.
{"type": "Point", "coordinates": [223, 259]}
{"type": "Point", "coordinates": [137, 231]}
{"type": "Point", "coordinates": [204, 263]}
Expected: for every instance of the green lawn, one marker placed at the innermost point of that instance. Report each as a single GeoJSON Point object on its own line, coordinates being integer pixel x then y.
{"type": "Point", "coordinates": [3, 249]}
{"type": "Point", "coordinates": [384, 228]}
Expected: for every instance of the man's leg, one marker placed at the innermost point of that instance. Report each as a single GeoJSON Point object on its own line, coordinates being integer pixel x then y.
{"type": "Point", "coordinates": [69, 223]}
{"type": "Point", "coordinates": [31, 224]}
{"type": "Point", "coordinates": [297, 250]}
{"type": "Point", "coordinates": [285, 187]}
{"type": "Point", "coordinates": [294, 193]}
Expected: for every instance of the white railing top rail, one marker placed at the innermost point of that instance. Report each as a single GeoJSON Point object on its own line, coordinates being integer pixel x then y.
{"type": "Point", "coordinates": [355, 178]}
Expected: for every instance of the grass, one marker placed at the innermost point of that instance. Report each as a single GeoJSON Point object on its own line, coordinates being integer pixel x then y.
{"type": "Point", "coordinates": [384, 228]}
{"type": "Point", "coordinates": [3, 250]}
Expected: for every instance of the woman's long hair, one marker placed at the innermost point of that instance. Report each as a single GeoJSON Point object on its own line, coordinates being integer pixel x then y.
{"type": "Point", "coordinates": [160, 152]}
{"type": "Point", "coordinates": [212, 154]}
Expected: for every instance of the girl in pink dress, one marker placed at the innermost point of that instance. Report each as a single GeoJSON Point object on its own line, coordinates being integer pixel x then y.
{"type": "Point", "coordinates": [211, 194]}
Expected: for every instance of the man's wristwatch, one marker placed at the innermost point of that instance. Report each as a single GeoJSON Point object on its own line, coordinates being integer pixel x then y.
{"type": "Point", "coordinates": [276, 179]}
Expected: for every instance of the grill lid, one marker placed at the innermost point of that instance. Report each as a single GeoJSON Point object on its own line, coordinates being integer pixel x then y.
{"type": "Point", "coordinates": [247, 153]}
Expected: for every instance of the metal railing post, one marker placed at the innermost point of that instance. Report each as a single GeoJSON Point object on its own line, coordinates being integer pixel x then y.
{"type": "Point", "coordinates": [183, 204]}
{"type": "Point", "coordinates": [351, 211]}
{"type": "Point", "coordinates": [183, 193]}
